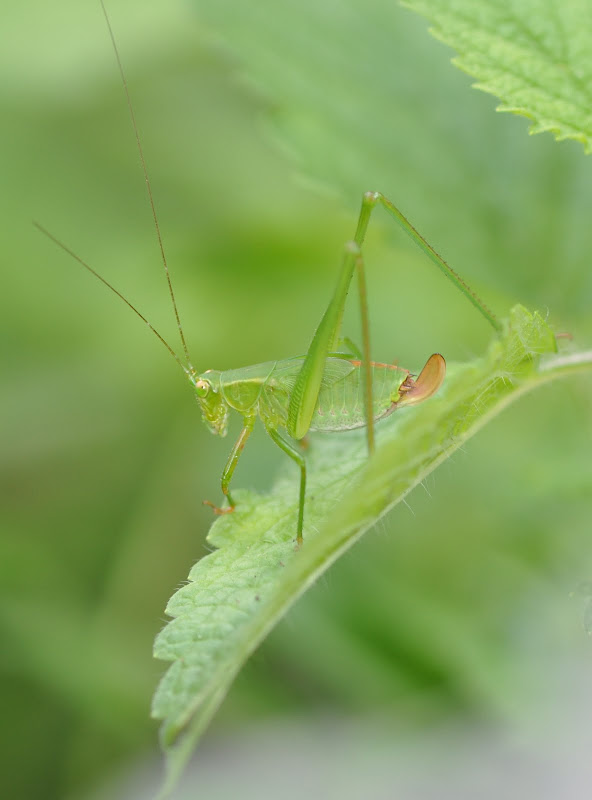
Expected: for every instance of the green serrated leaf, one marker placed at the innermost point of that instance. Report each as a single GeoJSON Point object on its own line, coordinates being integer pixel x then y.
{"type": "Point", "coordinates": [535, 55]}
{"type": "Point", "coordinates": [239, 592]}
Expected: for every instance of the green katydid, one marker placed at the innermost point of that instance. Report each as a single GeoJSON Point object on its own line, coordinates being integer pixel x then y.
{"type": "Point", "coordinates": [333, 387]}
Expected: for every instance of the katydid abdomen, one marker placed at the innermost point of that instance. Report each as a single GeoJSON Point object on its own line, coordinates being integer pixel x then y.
{"type": "Point", "coordinates": [341, 403]}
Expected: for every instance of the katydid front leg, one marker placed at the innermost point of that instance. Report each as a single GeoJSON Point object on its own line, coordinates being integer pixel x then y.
{"type": "Point", "coordinates": [233, 458]}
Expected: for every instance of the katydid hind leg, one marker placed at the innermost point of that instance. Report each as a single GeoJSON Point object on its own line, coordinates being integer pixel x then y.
{"type": "Point", "coordinates": [305, 392]}
{"type": "Point", "coordinates": [300, 460]}
{"type": "Point", "coordinates": [370, 200]}
{"type": "Point", "coordinates": [306, 389]}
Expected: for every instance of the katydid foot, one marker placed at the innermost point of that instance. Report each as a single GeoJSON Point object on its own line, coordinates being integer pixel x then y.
{"type": "Point", "coordinates": [217, 510]}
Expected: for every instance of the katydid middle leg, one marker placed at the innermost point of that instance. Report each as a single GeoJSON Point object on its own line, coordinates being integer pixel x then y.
{"type": "Point", "coordinates": [300, 460]}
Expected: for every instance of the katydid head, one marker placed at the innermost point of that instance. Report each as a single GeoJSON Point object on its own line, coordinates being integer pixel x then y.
{"type": "Point", "coordinates": [429, 381]}
{"type": "Point", "coordinates": [214, 408]}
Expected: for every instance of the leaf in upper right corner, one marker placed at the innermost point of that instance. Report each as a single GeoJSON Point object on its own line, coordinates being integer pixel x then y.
{"type": "Point", "coordinates": [535, 55]}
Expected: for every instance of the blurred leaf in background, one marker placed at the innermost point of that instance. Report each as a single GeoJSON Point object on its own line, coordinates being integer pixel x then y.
{"type": "Point", "coordinates": [456, 601]}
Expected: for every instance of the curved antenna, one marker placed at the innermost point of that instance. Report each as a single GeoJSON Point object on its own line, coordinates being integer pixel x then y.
{"type": "Point", "coordinates": [76, 257]}
{"type": "Point", "coordinates": [150, 195]}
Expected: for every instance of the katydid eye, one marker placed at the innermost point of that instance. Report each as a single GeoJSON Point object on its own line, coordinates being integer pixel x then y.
{"type": "Point", "coordinates": [202, 388]}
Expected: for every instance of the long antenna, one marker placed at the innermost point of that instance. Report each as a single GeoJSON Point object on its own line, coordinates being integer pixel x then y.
{"type": "Point", "coordinates": [150, 196]}
{"type": "Point", "coordinates": [76, 257]}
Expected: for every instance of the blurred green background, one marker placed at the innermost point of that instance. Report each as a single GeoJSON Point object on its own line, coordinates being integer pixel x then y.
{"type": "Point", "coordinates": [457, 607]}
